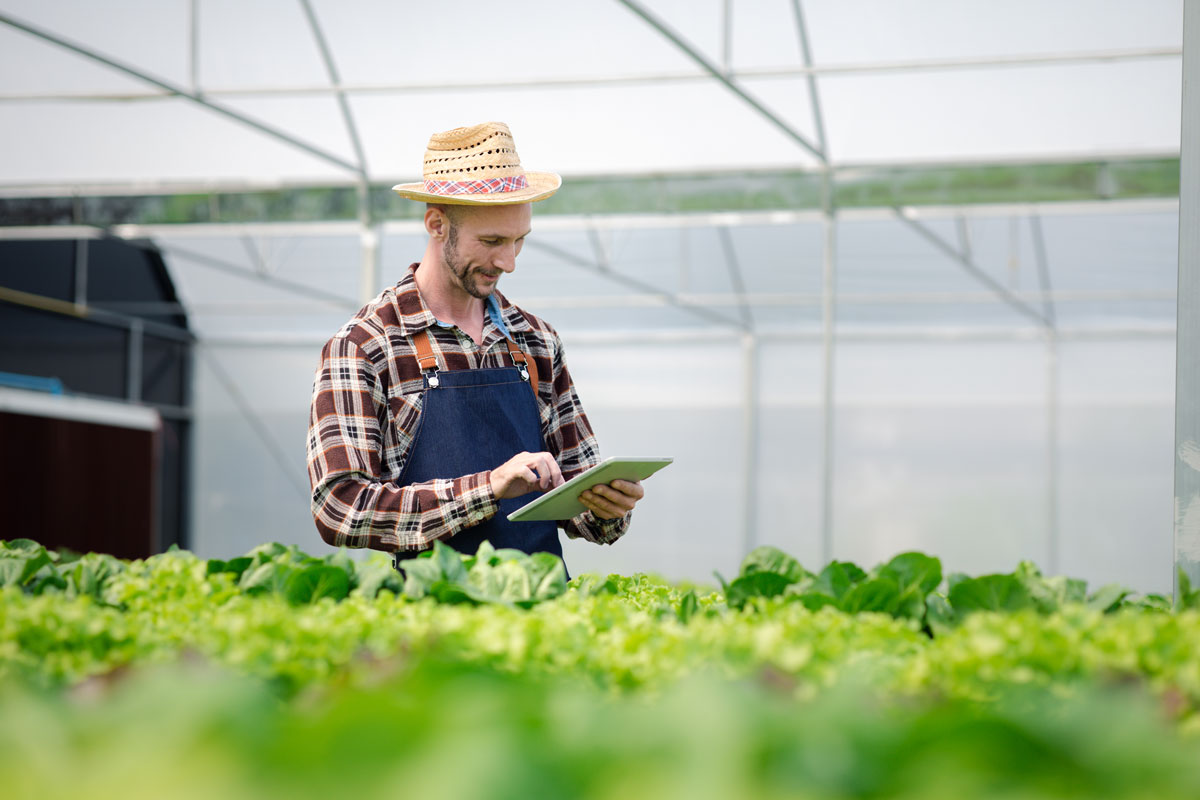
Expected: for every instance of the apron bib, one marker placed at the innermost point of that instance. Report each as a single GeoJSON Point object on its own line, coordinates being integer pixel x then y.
{"type": "Point", "coordinates": [474, 420]}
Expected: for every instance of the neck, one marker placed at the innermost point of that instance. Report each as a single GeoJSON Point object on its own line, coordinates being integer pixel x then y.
{"type": "Point", "coordinates": [445, 299]}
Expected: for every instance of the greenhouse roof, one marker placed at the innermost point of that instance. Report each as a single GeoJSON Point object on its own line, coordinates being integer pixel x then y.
{"type": "Point", "coordinates": [316, 92]}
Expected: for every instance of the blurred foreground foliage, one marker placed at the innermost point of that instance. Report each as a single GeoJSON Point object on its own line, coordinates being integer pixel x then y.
{"type": "Point", "coordinates": [281, 674]}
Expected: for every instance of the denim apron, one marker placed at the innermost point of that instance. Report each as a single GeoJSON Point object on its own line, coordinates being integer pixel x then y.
{"type": "Point", "coordinates": [474, 420]}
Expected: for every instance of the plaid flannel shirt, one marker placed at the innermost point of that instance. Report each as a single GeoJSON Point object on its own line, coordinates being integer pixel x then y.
{"type": "Point", "coordinates": [367, 396]}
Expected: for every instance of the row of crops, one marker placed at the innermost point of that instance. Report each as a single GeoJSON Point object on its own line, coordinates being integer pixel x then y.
{"type": "Point", "coordinates": [279, 674]}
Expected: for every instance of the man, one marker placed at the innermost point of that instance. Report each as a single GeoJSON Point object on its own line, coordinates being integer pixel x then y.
{"type": "Point", "coordinates": [440, 405]}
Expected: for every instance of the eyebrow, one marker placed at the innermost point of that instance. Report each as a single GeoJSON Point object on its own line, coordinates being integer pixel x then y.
{"type": "Point", "coordinates": [502, 236]}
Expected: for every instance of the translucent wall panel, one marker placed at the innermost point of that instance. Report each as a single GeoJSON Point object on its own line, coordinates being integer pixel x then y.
{"type": "Point", "coordinates": [1116, 454]}
{"type": "Point", "coordinates": [249, 478]}
{"type": "Point", "coordinates": [788, 495]}
{"type": "Point", "coordinates": [941, 447]}
{"type": "Point", "coordinates": [682, 401]}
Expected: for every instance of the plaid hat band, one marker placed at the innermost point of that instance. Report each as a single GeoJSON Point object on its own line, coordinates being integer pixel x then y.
{"type": "Point", "coordinates": [508, 183]}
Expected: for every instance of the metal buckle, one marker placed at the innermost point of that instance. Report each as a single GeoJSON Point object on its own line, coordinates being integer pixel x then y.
{"type": "Point", "coordinates": [432, 379]}
{"type": "Point", "coordinates": [524, 372]}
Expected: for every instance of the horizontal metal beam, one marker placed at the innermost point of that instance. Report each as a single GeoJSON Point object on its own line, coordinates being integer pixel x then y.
{"type": "Point", "coordinates": [659, 300]}
{"type": "Point", "coordinates": [1027, 172]}
{"type": "Point", "coordinates": [852, 334]}
{"type": "Point", "coordinates": [91, 313]}
{"type": "Point", "coordinates": [813, 299]}
{"type": "Point", "coordinates": [601, 81]}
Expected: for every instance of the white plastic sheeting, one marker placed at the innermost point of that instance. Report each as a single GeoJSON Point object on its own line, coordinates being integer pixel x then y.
{"type": "Point", "coordinates": [943, 426]}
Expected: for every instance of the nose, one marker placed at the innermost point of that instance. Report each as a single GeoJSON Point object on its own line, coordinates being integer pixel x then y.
{"type": "Point", "coordinates": [506, 257]}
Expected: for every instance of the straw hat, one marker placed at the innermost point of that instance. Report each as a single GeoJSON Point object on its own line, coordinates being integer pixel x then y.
{"type": "Point", "coordinates": [477, 166]}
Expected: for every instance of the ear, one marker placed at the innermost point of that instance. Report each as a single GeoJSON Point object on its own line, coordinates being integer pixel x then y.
{"type": "Point", "coordinates": [437, 223]}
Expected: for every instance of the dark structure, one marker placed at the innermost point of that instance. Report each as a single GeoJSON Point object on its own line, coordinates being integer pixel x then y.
{"type": "Point", "coordinates": [101, 317]}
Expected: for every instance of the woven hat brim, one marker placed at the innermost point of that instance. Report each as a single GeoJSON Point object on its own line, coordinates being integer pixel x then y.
{"type": "Point", "coordinates": [541, 185]}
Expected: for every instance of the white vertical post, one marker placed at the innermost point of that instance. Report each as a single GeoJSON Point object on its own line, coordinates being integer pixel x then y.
{"type": "Point", "coordinates": [1053, 544]}
{"type": "Point", "coordinates": [727, 37]}
{"type": "Point", "coordinates": [828, 307]}
{"type": "Point", "coordinates": [369, 276]}
{"type": "Point", "coordinates": [750, 442]}
{"type": "Point", "coordinates": [1053, 537]}
{"type": "Point", "coordinates": [194, 46]}
{"type": "Point", "coordinates": [1187, 329]}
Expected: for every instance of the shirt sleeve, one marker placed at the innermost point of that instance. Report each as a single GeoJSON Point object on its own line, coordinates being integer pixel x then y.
{"type": "Point", "coordinates": [569, 437]}
{"type": "Point", "coordinates": [351, 505]}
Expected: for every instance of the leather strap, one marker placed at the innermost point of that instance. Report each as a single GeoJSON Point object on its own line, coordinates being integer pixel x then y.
{"type": "Point", "coordinates": [425, 356]}
{"type": "Point", "coordinates": [520, 358]}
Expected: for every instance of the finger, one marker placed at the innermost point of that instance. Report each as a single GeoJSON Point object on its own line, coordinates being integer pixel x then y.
{"type": "Point", "coordinates": [555, 471]}
{"type": "Point", "coordinates": [537, 468]}
{"type": "Point", "coordinates": [544, 472]}
{"type": "Point", "coordinates": [546, 469]}
{"type": "Point", "coordinates": [631, 488]}
{"type": "Point", "coordinates": [589, 502]}
{"type": "Point", "coordinates": [605, 507]}
{"type": "Point", "coordinates": [530, 477]}
{"type": "Point", "coordinates": [615, 497]}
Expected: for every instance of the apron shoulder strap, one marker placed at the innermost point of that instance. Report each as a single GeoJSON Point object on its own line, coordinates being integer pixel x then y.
{"type": "Point", "coordinates": [428, 360]}
{"type": "Point", "coordinates": [520, 359]}
{"type": "Point", "coordinates": [425, 356]}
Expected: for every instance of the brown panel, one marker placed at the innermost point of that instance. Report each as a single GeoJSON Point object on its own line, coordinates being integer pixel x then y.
{"type": "Point", "coordinates": [79, 485]}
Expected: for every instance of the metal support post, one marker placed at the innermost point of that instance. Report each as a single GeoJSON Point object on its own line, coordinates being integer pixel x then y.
{"type": "Point", "coordinates": [727, 37]}
{"type": "Point", "coordinates": [369, 280]}
{"type": "Point", "coordinates": [1053, 535]}
{"type": "Point", "coordinates": [81, 273]}
{"type": "Point", "coordinates": [133, 362]}
{"type": "Point", "coordinates": [1187, 331]}
{"type": "Point", "coordinates": [194, 46]}
{"type": "Point", "coordinates": [828, 332]}
{"type": "Point", "coordinates": [750, 377]}
{"type": "Point", "coordinates": [1053, 543]}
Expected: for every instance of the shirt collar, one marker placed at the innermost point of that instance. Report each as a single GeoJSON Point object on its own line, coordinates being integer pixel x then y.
{"type": "Point", "coordinates": [415, 316]}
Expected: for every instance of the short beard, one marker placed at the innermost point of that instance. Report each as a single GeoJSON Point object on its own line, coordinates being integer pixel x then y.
{"type": "Point", "coordinates": [457, 268]}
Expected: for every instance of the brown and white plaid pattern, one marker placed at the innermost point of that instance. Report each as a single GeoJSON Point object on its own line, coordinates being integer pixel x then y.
{"type": "Point", "coordinates": [365, 407]}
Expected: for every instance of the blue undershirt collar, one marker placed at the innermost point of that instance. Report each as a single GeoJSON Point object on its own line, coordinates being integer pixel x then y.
{"type": "Point", "coordinates": [493, 310]}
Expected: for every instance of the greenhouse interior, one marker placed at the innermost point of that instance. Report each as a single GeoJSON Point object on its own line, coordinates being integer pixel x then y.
{"type": "Point", "coordinates": [909, 292]}
{"type": "Point", "coordinates": [872, 292]}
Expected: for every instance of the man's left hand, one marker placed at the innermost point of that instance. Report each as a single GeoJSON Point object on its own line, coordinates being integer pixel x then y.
{"type": "Point", "coordinates": [612, 500]}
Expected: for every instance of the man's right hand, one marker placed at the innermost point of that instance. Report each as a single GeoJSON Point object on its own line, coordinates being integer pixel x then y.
{"type": "Point", "coordinates": [525, 473]}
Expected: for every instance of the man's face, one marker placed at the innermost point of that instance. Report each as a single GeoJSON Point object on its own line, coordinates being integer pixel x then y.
{"type": "Point", "coordinates": [483, 243]}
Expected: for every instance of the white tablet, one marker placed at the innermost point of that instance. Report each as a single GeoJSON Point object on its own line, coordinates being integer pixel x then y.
{"type": "Point", "coordinates": [563, 501]}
